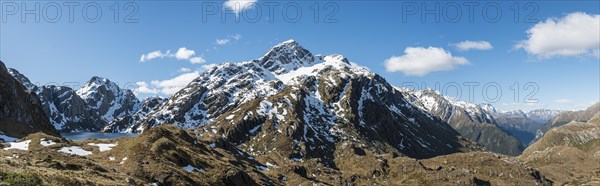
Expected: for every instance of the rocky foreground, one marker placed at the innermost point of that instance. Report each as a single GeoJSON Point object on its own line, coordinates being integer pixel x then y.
{"type": "Point", "coordinates": [167, 155]}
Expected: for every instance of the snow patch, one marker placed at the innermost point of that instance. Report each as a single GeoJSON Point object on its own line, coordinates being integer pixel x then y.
{"type": "Point", "coordinates": [191, 168]}
{"type": "Point", "coordinates": [263, 168]}
{"type": "Point", "coordinates": [46, 142]}
{"type": "Point", "coordinates": [75, 150]}
{"type": "Point", "coordinates": [103, 146]}
{"type": "Point", "coordinates": [123, 161]}
{"type": "Point", "coordinates": [24, 145]}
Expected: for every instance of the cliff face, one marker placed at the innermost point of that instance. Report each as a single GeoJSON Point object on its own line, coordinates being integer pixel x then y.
{"type": "Point", "coordinates": [21, 112]}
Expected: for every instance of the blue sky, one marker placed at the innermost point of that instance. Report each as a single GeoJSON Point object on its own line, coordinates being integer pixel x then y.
{"type": "Point", "coordinates": [561, 66]}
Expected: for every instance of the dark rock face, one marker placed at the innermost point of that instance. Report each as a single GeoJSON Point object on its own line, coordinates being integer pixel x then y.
{"type": "Point", "coordinates": [23, 79]}
{"type": "Point", "coordinates": [21, 112]}
{"type": "Point", "coordinates": [86, 110]}
{"type": "Point", "coordinates": [67, 111]}
{"type": "Point", "coordinates": [472, 121]}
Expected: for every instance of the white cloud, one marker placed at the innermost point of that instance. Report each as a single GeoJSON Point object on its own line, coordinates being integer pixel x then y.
{"type": "Point", "coordinates": [143, 88]}
{"type": "Point", "coordinates": [184, 70]}
{"type": "Point", "coordinates": [228, 40]}
{"type": "Point", "coordinates": [418, 61]}
{"type": "Point", "coordinates": [576, 34]}
{"type": "Point", "coordinates": [150, 56]}
{"type": "Point", "coordinates": [222, 41]}
{"type": "Point", "coordinates": [173, 85]}
{"type": "Point", "coordinates": [238, 6]}
{"type": "Point", "coordinates": [475, 45]}
{"type": "Point", "coordinates": [208, 67]}
{"type": "Point", "coordinates": [237, 36]}
{"type": "Point", "coordinates": [563, 101]}
{"type": "Point", "coordinates": [181, 54]}
{"type": "Point", "coordinates": [197, 60]}
{"type": "Point", "coordinates": [184, 53]}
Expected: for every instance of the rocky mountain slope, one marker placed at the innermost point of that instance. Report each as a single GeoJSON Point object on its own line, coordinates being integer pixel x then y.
{"type": "Point", "coordinates": [471, 120]}
{"type": "Point", "coordinates": [568, 116]}
{"type": "Point", "coordinates": [21, 112]}
{"type": "Point", "coordinates": [125, 124]}
{"type": "Point", "coordinates": [90, 108]}
{"type": "Point", "coordinates": [569, 154]}
{"type": "Point", "coordinates": [168, 155]}
{"type": "Point", "coordinates": [523, 125]}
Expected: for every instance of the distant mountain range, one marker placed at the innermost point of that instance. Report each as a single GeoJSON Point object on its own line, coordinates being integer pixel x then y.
{"type": "Point", "coordinates": [100, 105]}
{"type": "Point", "coordinates": [524, 126]}
{"type": "Point", "coordinates": [472, 121]}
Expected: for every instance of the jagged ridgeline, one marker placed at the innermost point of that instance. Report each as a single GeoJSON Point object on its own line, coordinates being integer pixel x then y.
{"type": "Point", "coordinates": [88, 109]}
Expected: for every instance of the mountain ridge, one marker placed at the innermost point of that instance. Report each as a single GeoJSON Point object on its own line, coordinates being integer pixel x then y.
{"type": "Point", "coordinates": [21, 112]}
{"type": "Point", "coordinates": [87, 109]}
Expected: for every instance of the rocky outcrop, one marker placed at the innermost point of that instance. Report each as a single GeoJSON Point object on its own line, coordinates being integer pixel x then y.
{"type": "Point", "coordinates": [21, 111]}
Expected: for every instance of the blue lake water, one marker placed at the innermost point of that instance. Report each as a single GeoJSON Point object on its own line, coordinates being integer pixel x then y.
{"type": "Point", "coordinates": [97, 135]}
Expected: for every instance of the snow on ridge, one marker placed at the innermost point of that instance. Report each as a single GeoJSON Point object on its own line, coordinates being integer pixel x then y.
{"type": "Point", "coordinates": [334, 61]}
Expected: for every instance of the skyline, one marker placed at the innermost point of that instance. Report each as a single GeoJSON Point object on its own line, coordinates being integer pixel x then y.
{"type": "Point", "coordinates": [396, 47]}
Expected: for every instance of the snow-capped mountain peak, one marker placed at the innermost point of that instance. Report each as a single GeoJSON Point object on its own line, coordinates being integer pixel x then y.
{"type": "Point", "coordinates": [108, 99]}
{"type": "Point", "coordinates": [94, 84]}
{"type": "Point", "coordinates": [285, 57]}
